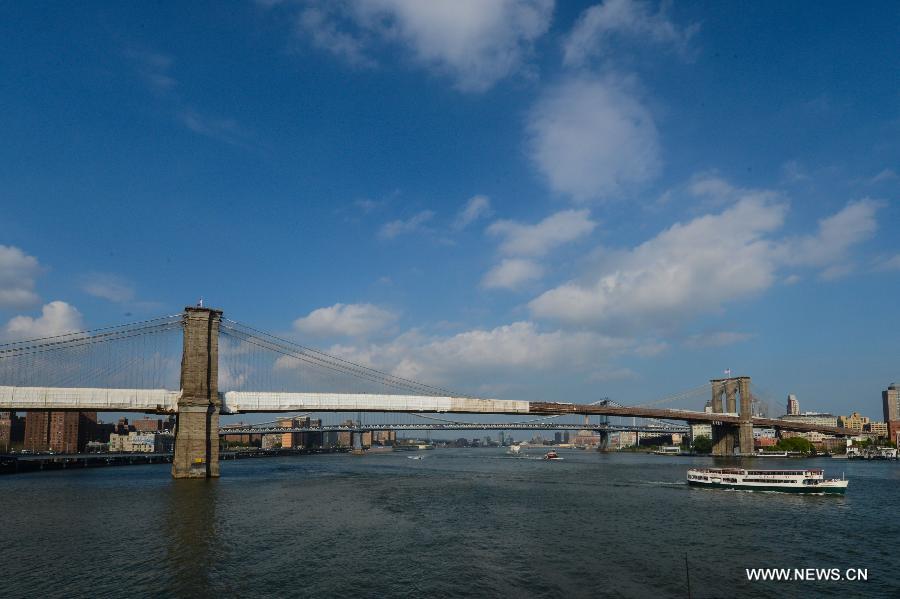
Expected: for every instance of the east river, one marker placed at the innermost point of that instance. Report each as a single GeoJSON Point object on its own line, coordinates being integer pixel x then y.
{"type": "Point", "coordinates": [457, 523]}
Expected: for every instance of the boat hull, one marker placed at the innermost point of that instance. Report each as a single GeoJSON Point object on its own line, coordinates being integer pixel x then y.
{"type": "Point", "coordinates": [806, 489]}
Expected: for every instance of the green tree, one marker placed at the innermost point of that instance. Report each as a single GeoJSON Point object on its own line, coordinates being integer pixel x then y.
{"type": "Point", "coordinates": [703, 444]}
{"type": "Point", "coordinates": [796, 444]}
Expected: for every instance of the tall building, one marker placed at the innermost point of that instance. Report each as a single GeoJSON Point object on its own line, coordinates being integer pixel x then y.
{"type": "Point", "coordinates": [62, 432]}
{"type": "Point", "coordinates": [890, 401]}
{"type": "Point", "coordinates": [813, 418]}
{"type": "Point", "coordinates": [12, 430]}
{"type": "Point", "coordinates": [793, 405]}
{"type": "Point", "coordinates": [37, 431]}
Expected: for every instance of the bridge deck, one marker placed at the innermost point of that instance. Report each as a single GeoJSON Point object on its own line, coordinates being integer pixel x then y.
{"type": "Point", "coordinates": [235, 402]}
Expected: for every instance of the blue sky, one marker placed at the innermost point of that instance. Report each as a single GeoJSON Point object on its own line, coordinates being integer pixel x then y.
{"type": "Point", "coordinates": [509, 199]}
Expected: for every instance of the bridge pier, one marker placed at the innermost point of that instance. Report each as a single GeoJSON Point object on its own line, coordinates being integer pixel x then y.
{"type": "Point", "coordinates": [723, 439]}
{"type": "Point", "coordinates": [604, 441]}
{"type": "Point", "coordinates": [197, 424]}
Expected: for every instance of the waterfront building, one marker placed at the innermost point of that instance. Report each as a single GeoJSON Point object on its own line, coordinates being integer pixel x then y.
{"type": "Point", "coordinates": [793, 405]}
{"type": "Point", "coordinates": [141, 442]}
{"type": "Point", "coordinates": [271, 441]}
{"type": "Point", "coordinates": [12, 430]}
{"type": "Point", "coordinates": [879, 429]}
{"type": "Point", "coordinates": [854, 422]}
{"type": "Point", "coordinates": [701, 429]}
{"type": "Point", "coordinates": [62, 432]}
{"type": "Point", "coordinates": [813, 418]}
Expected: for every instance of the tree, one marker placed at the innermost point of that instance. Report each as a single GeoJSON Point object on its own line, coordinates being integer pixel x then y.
{"type": "Point", "coordinates": [703, 444]}
{"type": "Point", "coordinates": [799, 444]}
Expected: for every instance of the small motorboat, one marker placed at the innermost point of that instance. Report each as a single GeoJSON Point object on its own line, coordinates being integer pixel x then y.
{"type": "Point", "coordinates": [552, 455]}
{"type": "Point", "coordinates": [414, 457]}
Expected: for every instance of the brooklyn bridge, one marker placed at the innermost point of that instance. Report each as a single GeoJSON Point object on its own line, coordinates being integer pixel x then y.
{"type": "Point", "coordinates": [226, 368]}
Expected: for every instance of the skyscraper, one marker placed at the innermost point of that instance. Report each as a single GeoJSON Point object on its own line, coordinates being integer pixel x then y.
{"type": "Point", "coordinates": [890, 402]}
{"type": "Point", "coordinates": [793, 406]}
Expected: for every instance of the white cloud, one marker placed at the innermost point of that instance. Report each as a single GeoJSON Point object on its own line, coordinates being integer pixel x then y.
{"type": "Point", "coordinates": [686, 269]}
{"type": "Point", "coordinates": [511, 273]}
{"type": "Point", "coordinates": [836, 234]}
{"type": "Point", "coordinates": [519, 347]}
{"type": "Point", "coordinates": [109, 287]}
{"type": "Point", "coordinates": [889, 263]}
{"type": "Point", "coordinates": [716, 339]}
{"type": "Point", "coordinates": [536, 240]}
{"type": "Point", "coordinates": [221, 129]}
{"type": "Point", "coordinates": [475, 42]}
{"type": "Point", "coordinates": [351, 320]}
{"type": "Point", "coordinates": [18, 272]}
{"type": "Point", "coordinates": [476, 207]}
{"type": "Point", "coordinates": [593, 138]}
{"type": "Point", "coordinates": [887, 174]}
{"type": "Point", "coordinates": [56, 318]}
{"type": "Point", "coordinates": [323, 32]}
{"type": "Point", "coordinates": [598, 24]}
{"type": "Point", "coordinates": [703, 264]}
{"type": "Point", "coordinates": [413, 224]}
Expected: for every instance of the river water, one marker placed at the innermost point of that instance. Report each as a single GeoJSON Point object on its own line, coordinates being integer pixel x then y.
{"type": "Point", "coordinates": [467, 522]}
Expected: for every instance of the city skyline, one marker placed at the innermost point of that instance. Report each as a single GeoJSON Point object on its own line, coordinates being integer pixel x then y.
{"type": "Point", "coordinates": [565, 202]}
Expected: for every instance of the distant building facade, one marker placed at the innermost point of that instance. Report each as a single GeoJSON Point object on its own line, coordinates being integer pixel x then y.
{"type": "Point", "coordinates": [813, 418]}
{"type": "Point", "coordinates": [854, 422]}
{"type": "Point", "coordinates": [12, 430]}
{"type": "Point", "coordinates": [62, 432]}
{"type": "Point", "coordinates": [879, 429]}
{"type": "Point", "coordinates": [793, 405]}
{"type": "Point", "coordinates": [890, 401]}
{"type": "Point", "coordinates": [141, 442]}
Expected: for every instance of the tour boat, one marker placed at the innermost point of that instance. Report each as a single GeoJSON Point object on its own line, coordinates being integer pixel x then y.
{"type": "Point", "coordinates": [785, 481]}
{"type": "Point", "coordinates": [552, 455]}
{"type": "Point", "coordinates": [514, 449]}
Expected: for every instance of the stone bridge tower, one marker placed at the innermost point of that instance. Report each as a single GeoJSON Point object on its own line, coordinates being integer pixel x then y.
{"type": "Point", "coordinates": [197, 427]}
{"type": "Point", "coordinates": [724, 433]}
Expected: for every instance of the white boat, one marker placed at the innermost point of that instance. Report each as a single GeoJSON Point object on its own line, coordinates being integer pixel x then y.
{"type": "Point", "coordinates": [413, 457]}
{"type": "Point", "coordinates": [552, 455]}
{"type": "Point", "coordinates": [514, 449]}
{"type": "Point", "coordinates": [673, 450]}
{"type": "Point", "coordinates": [785, 481]}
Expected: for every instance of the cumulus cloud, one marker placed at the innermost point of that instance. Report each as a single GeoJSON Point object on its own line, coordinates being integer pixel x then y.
{"type": "Point", "coordinates": [413, 224]}
{"type": "Point", "coordinates": [512, 273]}
{"type": "Point", "coordinates": [701, 265]}
{"type": "Point", "coordinates": [686, 269]}
{"type": "Point", "coordinates": [476, 207]}
{"type": "Point", "coordinates": [828, 247]}
{"type": "Point", "coordinates": [108, 287]}
{"type": "Point", "coordinates": [592, 138]}
{"type": "Point", "coordinates": [600, 24]}
{"type": "Point", "coordinates": [518, 347]}
{"type": "Point", "coordinates": [536, 240]}
{"type": "Point", "coordinates": [18, 272]}
{"type": "Point", "coordinates": [351, 320]}
{"type": "Point", "coordinates": [474, 42]}
{"type": "Point", "coordinates": [56, 318]}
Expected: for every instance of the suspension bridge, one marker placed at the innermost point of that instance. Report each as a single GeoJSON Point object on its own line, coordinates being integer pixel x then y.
{"type": "Point", "coordinates": [199, 366]}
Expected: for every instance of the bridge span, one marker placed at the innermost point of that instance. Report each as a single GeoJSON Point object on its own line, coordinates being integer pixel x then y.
{"type": "Point", "coordinates": [198, 403]}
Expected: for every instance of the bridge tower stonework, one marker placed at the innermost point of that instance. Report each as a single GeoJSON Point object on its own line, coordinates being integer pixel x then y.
{"type": "Point", "coordinates": [724, 434]}
{"type": "Point", "coordinates": [197, 424]}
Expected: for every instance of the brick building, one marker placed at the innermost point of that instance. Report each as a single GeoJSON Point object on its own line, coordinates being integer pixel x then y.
{"type": "Point", "coordinates": [62, 432]}
{"type": "Point", "coordinates": [12, 430]}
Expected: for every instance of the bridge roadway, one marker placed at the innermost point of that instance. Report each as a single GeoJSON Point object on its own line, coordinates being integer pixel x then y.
{"type": "Point", "coordinates": [449, 426]}
{"type": "Point", "coordinates": [162, 401]}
